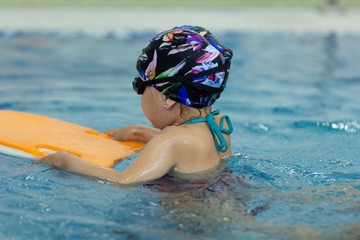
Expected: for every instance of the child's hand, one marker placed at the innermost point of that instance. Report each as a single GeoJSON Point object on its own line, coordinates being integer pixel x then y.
{"type": "Point", "coordinates": [60, 160]}
{"type": "Point", "coordinates": [133, 132]}
{"type": "Point", "coordinates": [121, 134]}
{"type": "Point", "coordinates": [75, 164]}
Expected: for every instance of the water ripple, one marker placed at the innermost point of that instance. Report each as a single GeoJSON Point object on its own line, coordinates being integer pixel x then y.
{"type": "Point", "coordinates": [351, 126]}
{"type": "Point", "coordinates": [256, 127]}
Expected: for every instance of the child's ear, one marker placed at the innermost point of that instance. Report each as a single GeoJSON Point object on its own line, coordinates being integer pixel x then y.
{"type": "Point", "coordinates": [169, 103]}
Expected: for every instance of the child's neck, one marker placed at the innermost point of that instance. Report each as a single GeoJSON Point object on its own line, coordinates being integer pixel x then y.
{"type": "Point", "coordinates": [189, 113]}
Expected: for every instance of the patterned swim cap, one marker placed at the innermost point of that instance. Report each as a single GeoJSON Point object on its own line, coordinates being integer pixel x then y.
{"type": "Point", "coordinates": [187, 64]}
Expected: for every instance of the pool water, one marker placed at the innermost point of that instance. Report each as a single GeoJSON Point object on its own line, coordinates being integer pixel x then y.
{"type": "Point", "coordinates": [295, 105]}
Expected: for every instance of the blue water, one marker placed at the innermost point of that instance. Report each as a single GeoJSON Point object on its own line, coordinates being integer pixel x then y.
{"type": "Point", "coordinates": [295, 105]}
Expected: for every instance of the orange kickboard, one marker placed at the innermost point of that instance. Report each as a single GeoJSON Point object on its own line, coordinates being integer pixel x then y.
{"type": "Point", "coordinates": [30, 132]}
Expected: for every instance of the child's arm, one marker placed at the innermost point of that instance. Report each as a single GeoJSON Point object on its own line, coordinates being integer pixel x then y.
{"type": "Point", "coordinates": [133, 132]}
{"type": "Point", "coordinates": [157, 158]}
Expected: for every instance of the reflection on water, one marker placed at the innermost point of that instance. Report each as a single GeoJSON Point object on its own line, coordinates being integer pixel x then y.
{"type": "Point", "coordinates": [227, 202]}
{"type": "Point", "coordinates": [205, 208]}
{"type": "Point", "coordinates": [331, 60]}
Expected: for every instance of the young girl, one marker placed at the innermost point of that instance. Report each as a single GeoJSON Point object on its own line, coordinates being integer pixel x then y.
{"type": "Point", "coordinates": [182, 72]}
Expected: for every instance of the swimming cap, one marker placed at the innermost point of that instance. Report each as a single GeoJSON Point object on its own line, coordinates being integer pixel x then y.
{"type": "Point", "coordinates": [187, 64]}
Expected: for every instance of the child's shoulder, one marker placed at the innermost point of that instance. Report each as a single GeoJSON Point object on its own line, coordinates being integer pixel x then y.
{"type": "Point", "coordinates": [174, 133]}
{"type": "Point", "coordinates": [179, 138]}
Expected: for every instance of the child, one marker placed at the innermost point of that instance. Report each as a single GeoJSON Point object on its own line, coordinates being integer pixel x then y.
{"type": "Point", "coordinates": [181, 74]}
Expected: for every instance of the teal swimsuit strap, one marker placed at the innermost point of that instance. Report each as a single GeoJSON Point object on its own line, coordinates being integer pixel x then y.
{"type": "Point", "coordinates": [216, 130]}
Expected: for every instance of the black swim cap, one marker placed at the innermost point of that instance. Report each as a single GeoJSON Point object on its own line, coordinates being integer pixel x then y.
{"type": "Point", "coordinates": [187, 64]}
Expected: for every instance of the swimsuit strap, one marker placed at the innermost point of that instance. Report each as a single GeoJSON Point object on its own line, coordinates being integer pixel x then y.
{"type": "Point", "coordinates": [216, 130]}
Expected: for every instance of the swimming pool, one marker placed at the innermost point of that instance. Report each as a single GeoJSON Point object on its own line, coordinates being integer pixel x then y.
{"type": "Point", "coordinates": [295, 105]}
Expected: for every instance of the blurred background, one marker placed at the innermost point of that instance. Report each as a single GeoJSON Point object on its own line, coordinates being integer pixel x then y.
{"type": "Point", "coordinates": [126, 15]}
{"type": "Point", "coordinates": [184, 3]}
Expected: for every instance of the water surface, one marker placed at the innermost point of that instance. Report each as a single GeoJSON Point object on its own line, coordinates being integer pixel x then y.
{"type": "Point", "coordinates": [295, 106]}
